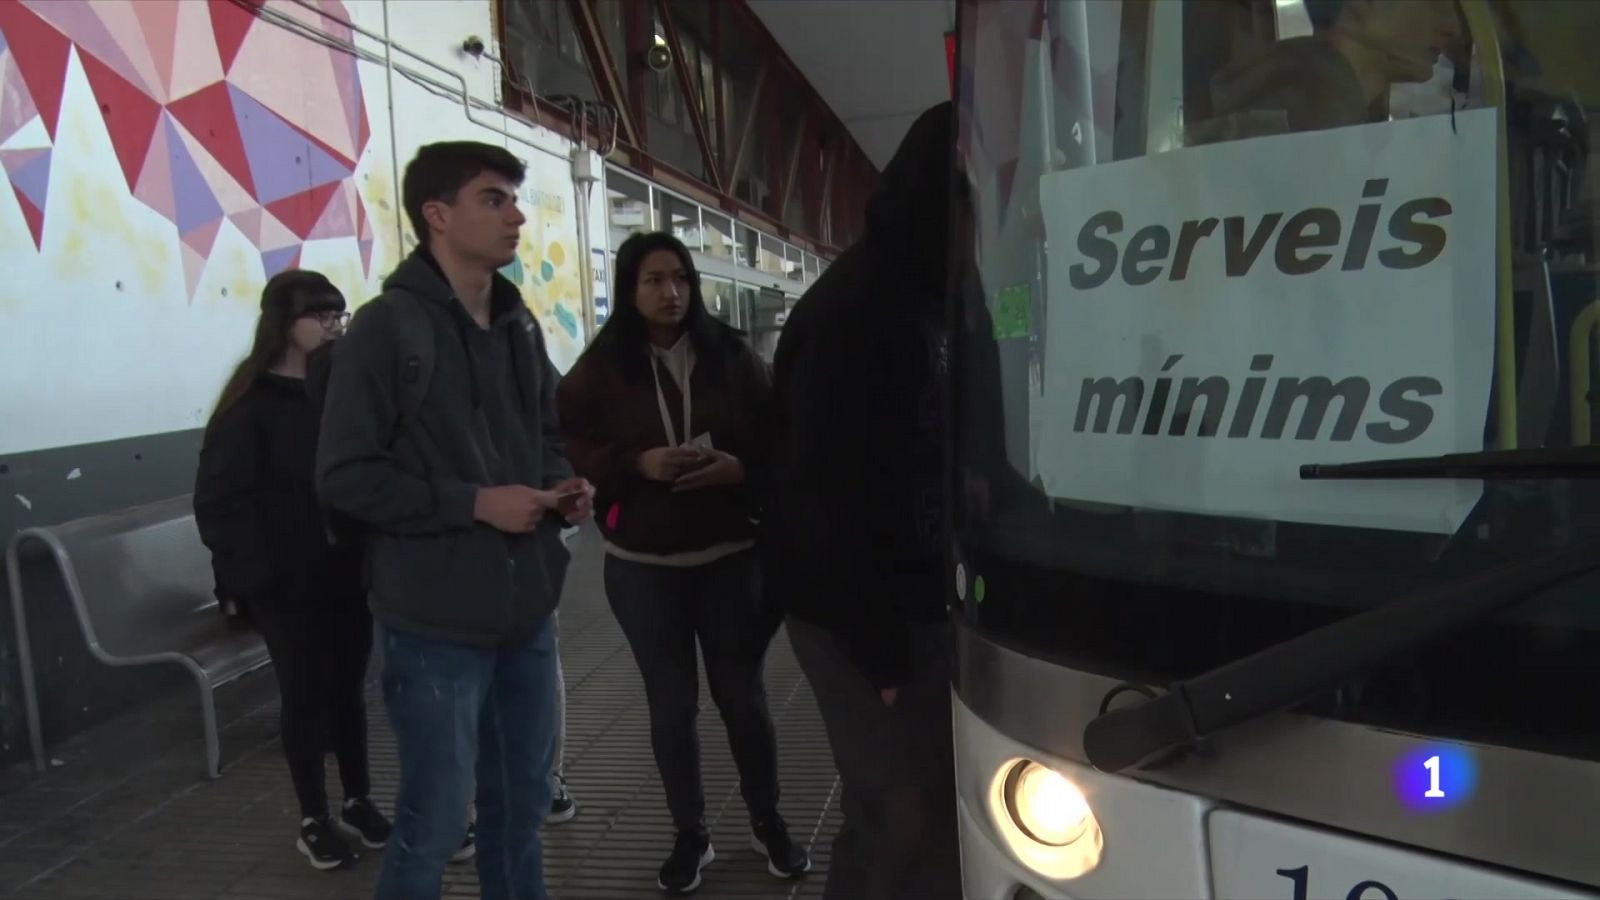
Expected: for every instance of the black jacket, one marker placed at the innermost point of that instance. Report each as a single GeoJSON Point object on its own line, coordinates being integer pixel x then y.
{"type": "Point", "coordinates": [488, 419]}
{"type": "Point", "coordinates": [852, 539]}
{"type": "Point", "coordinates": [255, 506]}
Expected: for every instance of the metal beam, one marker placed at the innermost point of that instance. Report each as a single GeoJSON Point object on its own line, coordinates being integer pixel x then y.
{"type": "Point", "coordinates": [821, 200]}
{"type": "Point", "coordinates": [593, 40]}
{"type": "Point", "coordinates": [640, 36]}
{"type": "Point", "coordinates": [775, 158]}
{"type": "Point", "coordinates": [743, 153]}
{"type": "Point", "coordinates": [720, 108]}
{"type": "Point", "coordinates": [794, 164]}
{"type": "Point", "coordinates": [693, 101]}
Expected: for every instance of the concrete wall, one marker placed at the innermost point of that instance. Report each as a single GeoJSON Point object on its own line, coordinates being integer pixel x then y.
{"type": "Point", "coordinates": [160, 161]}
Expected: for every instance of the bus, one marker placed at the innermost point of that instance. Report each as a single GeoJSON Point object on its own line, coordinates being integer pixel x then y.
{"type": "Point", "coordinates": [1274, 535]}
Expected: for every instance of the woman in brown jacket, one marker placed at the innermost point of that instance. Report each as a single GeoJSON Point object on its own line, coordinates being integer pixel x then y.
{"type": "Point", "coordinates": [665, 413]}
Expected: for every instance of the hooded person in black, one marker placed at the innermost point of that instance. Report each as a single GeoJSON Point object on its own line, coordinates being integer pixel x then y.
{"type": "Point", "coordinates": [852, 536]}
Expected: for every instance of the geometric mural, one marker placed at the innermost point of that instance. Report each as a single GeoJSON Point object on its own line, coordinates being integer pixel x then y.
{"type": "Point", "coordinates": [213, 113]}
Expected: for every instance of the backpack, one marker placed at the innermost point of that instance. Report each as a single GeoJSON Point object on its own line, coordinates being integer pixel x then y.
{"type": "Point", "coordinates": [417, 353]}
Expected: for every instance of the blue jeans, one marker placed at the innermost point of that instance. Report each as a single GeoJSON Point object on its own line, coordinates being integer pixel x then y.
{"type": "Point", "coordinates": [461, 715]}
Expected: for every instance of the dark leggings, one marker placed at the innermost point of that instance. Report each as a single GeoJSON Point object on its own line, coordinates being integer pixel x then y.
{"type": "Point", "coordinates": [320, 646]}
{"type": "Point", "coordinates": [662, 610]}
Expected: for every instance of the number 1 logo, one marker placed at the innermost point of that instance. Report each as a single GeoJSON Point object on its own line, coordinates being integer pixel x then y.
{"type": "Point", "coordinates": [1434, 778]}
{"type": "Point", "coordinates": [1432, 765]}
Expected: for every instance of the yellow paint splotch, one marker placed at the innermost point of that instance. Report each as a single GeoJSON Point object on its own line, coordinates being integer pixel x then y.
{"type": "Point", "coordinates": [383, 210]}
{"type": "Point", "coordinates": [93, 229]}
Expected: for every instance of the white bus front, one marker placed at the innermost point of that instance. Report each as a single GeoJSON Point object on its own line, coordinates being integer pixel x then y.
{"type": "Point", "coordinates": [1273, 562]}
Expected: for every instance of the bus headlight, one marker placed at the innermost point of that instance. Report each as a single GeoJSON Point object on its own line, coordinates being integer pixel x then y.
{"type": "Point", "coordinates": [1045, 819]}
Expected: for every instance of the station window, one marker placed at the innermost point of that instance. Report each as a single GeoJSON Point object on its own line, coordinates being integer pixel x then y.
{"type": "Point", "coordinates": [718, 234]}
{"type": "Point", "coordinates": [629, 202]}
{"type": "Point", "coordinates": [678, 216]}
{"type": "Point", "coordinates": [769, 256]}
{"type": "Point", "coordinates": [543, 54]}
{"type": "Point", "coordinates": [794, 263]}
{"type": "Point", "coordinates": [746, 247]}
{"type": "Point", "coordinates": [721, 299]}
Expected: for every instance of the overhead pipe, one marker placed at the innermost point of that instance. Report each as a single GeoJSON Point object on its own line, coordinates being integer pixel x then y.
{"type": "Point", "coordinates": [461, 91]}
{"type": "Point", "coordinates": [582, 181]}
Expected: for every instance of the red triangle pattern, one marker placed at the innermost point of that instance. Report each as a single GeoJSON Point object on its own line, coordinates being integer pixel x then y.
{"type": "Point", "coordinates": [130, 114]}
{"type": "Point", "coordinates": [41, 54]}
{"type": "Point", "coordinates": [231, 22]}
{"type": "Point", "coordinates": [301, 211]}
{"type": "Point", "coordinates": [159, 24]}
{"type": "Point", "coordinates": [33, 216]}
{"type": "Point", "coordinates": [340, 157]}
{"type": "Point", "coordinates": [208, 115]}
{"type": "Point", "coordinates": [203, 237]}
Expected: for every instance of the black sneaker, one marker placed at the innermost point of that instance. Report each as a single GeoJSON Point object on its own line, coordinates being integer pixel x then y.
{"type": "Point", "coordinates": [680, 874]}
{"type": "Point", "coordinates": [361, 820]}
{"type": "Point", "coordinates": [784, 859]}
{"type": "Point", "coordinates": [562, 806]}
{"type": "Point", "coordinates": [469, 846]}
{"type": "Point", "coordinates": [321, 843]}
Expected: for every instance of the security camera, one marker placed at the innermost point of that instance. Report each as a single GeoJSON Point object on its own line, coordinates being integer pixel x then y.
{"type": "Point", "coordinates": [658, 57]}
{"type": "Point", "coordinates": [473, 46]}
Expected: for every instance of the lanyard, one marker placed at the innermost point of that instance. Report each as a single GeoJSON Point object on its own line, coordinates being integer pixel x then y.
{"type": "Point", "coordinates": [661, 398]}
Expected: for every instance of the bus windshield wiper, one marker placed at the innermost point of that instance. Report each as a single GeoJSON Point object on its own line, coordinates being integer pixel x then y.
{"type": "Point", "coordinates": [1284, 674]}
{"type": "Point", "coordinates": [1559, 462]}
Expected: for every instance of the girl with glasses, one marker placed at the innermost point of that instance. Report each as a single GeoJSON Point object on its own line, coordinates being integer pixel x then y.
{"type": "Point", "coordinates": [277, 568]}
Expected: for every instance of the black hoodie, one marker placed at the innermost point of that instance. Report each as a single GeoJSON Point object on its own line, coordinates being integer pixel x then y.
{"type": "Point", "coordinates": [852, 539]}
{"type": "Point", "coordinates": [488, 418]}
{"type": "Point", "coordinates": [255, 507]}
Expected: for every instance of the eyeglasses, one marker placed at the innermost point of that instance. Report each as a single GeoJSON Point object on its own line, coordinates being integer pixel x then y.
{"type": "Point", "coordinates": [330, 319]}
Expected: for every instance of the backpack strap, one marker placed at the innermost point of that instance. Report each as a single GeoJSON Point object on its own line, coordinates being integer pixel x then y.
{"type": "Point", "coordinates": [415, 354]}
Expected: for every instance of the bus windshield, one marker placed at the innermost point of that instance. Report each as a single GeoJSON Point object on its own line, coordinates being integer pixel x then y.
{"type": "Point", "coordinates": [1213, 245]}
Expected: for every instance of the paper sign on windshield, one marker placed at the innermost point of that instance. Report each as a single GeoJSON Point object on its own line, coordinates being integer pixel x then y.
{"type": "Point", "coordinates": [1222, 314]}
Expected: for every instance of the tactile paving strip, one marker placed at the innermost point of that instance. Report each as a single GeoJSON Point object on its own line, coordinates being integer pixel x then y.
{"type": "Point", "coordinates": [130, 815]}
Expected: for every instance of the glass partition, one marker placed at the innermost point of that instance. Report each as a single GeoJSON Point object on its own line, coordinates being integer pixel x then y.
{"type": "Point", "coordinates": [628, 202]}
{"type": "Point", "coordinates": [679, 216]}
{"type": "Point", "coordinates": [718, 231]}
{"type": "Point", "coordinates": [635, 205]}
{"type": "Point", "coordinates": [769, 256]}
{"type": "Point", "coordinates": [721, 299]}
{"type": "Point", "coordinates": [746, 246]}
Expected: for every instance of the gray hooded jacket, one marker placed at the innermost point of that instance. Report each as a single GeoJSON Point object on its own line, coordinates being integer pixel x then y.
{"type": "Point", "coordinates": [487, 418]}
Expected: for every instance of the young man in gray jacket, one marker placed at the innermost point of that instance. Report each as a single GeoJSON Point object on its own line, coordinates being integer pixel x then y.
{"type": "Point", "coordinates": [439, 436]}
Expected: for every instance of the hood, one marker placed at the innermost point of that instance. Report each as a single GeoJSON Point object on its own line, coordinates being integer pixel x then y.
{"type": "Point", "coordinates": [421, 275]}
{"type": "Point", "coordinates": [908, 217]}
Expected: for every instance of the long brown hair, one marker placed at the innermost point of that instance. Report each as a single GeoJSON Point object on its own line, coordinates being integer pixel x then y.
{"type": "Point", "coordinates": [288, 295]}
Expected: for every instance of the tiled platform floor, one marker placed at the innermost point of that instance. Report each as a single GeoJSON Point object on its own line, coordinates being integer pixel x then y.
{"type": "Point", "coordinates": [128, 812]}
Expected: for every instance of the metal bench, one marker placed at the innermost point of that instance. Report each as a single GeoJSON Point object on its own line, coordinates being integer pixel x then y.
{"type": "Point", "coordinates": [140, 583]}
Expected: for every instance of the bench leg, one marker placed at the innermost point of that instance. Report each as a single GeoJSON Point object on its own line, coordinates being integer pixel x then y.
{"type": "Point", "coordinates": [208, 715]}
{"type": "Point", "coordinates": [30, 690]}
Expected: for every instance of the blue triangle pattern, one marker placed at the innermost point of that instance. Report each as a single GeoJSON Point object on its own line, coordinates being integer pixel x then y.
{"type": "Point", "coordinates": [283, 161]}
